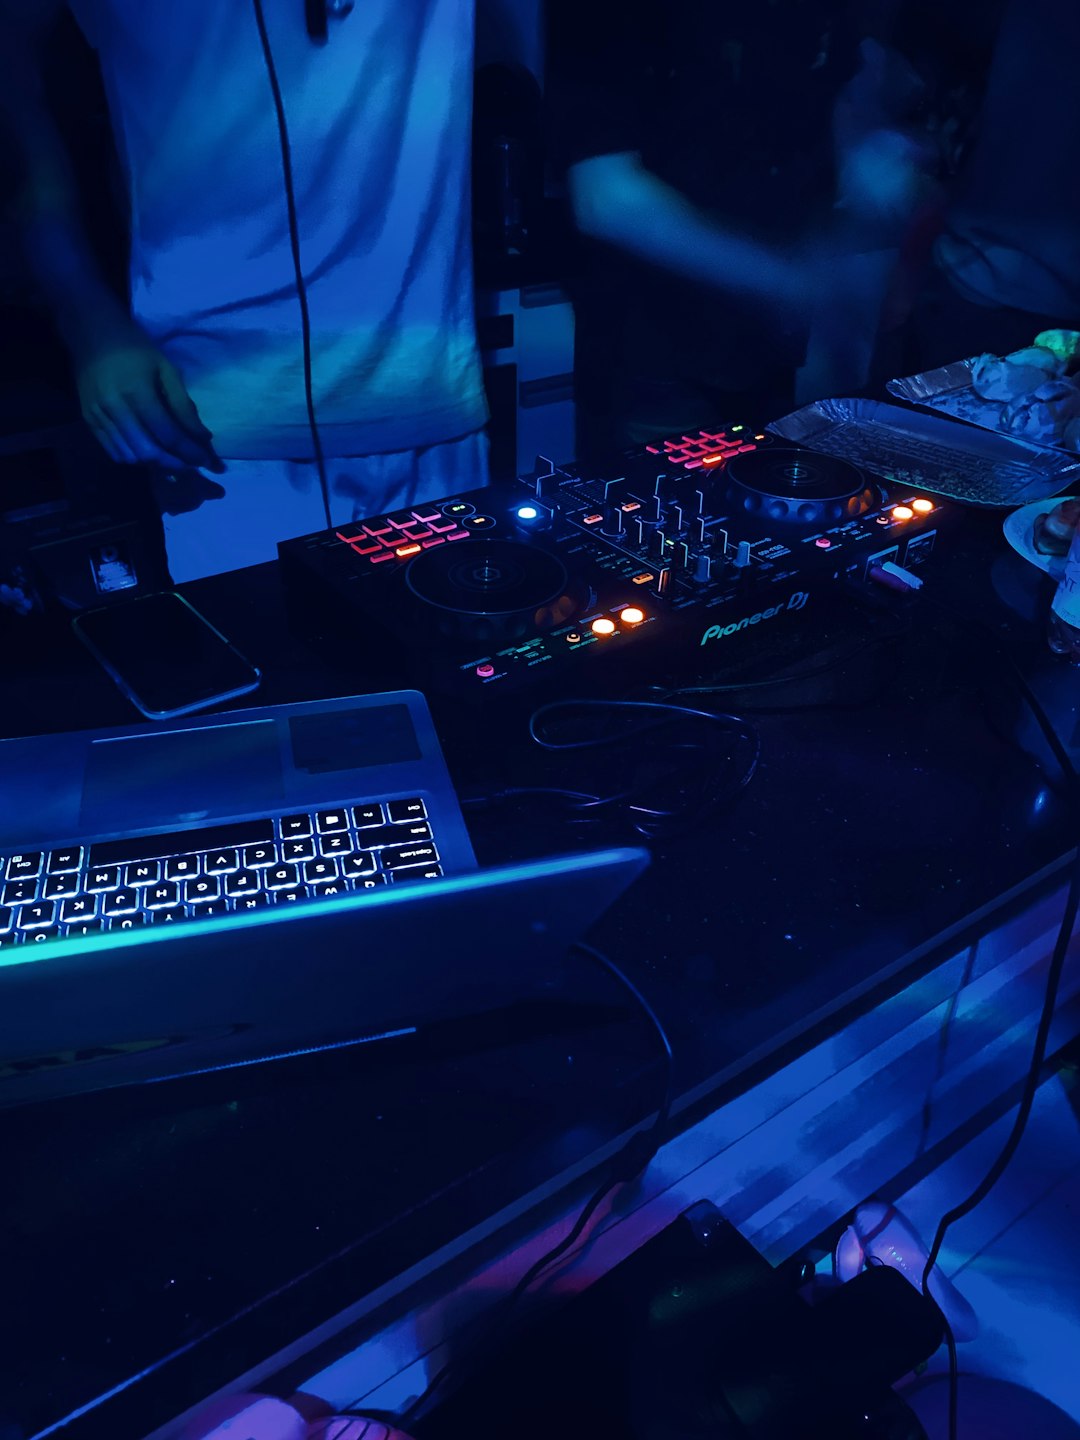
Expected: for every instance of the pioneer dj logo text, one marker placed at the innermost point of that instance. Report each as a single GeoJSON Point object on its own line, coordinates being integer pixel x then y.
{"type": "Point", "coordinates": [720, 632]}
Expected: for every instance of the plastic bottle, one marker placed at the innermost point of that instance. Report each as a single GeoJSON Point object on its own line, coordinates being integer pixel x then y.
{"type": "Point", "coordinates": [1064, 628]}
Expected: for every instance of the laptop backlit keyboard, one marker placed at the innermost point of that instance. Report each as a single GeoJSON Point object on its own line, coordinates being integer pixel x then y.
{"type": "Point", "coordinates": [234, 868]}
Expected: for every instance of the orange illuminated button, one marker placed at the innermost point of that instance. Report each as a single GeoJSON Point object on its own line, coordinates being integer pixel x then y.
{"type": "Point", "coordinates": [922, 507]}
{"type": "Point", "coordinates": [404, 551]}
{"type": "Point", "coordinates": [631, 615]}
{"type": "Point", "coordinates": [573, 638]}
{"type": "Point", "coordinates": [711, 459]}
{"type": "Point", "coordinates": [603, 626]}
{"type": "Point", "coordinates": [903, 512]}
{"type": "Point", "coordinates": [592, 519]}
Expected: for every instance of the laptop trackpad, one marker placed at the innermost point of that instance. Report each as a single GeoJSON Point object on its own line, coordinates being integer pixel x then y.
{"type": "Point", "coordinates": [181, 775]}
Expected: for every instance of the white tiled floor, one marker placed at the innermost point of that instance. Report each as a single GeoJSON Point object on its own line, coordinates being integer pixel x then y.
{"type": "Point", "coordinates": [1017, 1256]}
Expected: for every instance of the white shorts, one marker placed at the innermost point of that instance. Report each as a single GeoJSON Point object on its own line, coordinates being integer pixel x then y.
{"type": "Point", "coordinates": [224, 522]}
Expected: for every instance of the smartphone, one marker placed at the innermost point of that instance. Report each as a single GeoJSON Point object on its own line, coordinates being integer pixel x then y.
{"type": "Point", "coordinates": [165, 657]}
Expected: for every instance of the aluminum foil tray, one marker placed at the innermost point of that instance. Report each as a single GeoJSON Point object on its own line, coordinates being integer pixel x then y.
{"type": "Point", "coordinates": [916, 449]}
{"type": "Point", "coordinates": [949, 390]}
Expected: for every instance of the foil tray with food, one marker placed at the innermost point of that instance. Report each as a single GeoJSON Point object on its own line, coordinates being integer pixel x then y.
{"type": "Point", "coordinates": [913, 448]}
{"type": "Point", "coordinates": [1032, 393]}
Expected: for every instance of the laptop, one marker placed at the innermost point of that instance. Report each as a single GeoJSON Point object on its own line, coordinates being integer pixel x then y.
{"type": "Point", "coordinates": [217, 891]}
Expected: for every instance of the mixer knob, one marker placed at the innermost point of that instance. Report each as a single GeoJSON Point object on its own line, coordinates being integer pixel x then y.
{"type": "Point", "coordinates": [703, 567]}
{"type": "Point", "coordinates": [675, 517]}
{"type": "Point", "coordinates": [637, 532]}
{"type": "Point", "coordinates": [545, 476]}
{"type": "Point", "coordinates": [614, 522]}
{"type": "Point", "coordinates": [697, 505]}
{"type": "Point", "coordinates": [697, 531]}
{"type": "Point", "coordinates": [682, 555]}
{"type": "Point", "coordinates": [655, 510]}
{"type": "Point", "coordinates": [658, 544]}
{"type": "Point", "coordinates": [663, 582]}
{"type": "Point", "coordinates": [742, 557]}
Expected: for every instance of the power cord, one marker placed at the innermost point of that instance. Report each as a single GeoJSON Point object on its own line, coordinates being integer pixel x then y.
{"type": "Point", "coordinates": [630, 1162]}
{"type": "Point", "coordinates": [294, 243]}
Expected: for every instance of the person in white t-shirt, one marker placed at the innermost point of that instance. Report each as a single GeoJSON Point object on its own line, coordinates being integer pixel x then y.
{"type": "Point", "coordinates": [202, 374]}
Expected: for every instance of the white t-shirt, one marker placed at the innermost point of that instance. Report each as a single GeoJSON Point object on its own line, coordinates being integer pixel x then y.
{"type": "Point", "coordinates": [379, 123]}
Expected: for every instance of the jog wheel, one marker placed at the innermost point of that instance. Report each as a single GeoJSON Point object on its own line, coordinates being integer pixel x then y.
{"type": "Point", "coordinates": [493, 591]}
{"type": "Point", "coordinates": [799, 487]}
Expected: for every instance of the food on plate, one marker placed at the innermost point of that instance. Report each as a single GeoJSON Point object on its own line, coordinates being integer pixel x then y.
{"type": "Point", "coordinates": [1053, 532]}
{"type": "Point", "coordinates": [1043, 414]}
{"type": "Point", "coordinates": [1065, 344]}
{"type": "Point", "coordinates": [994, 377]}
{"type": "Point", "coordinates": [1041, 357]}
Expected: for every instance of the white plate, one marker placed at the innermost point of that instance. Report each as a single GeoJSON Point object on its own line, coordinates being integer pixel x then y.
{"type": "Point", "coordinates": [1019, 529]}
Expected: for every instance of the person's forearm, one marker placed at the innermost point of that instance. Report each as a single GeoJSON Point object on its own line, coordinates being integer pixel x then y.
{"type": "Point", "coordinates": [46, 210]}
{"type": "Point", "coordinates": [616, 200]}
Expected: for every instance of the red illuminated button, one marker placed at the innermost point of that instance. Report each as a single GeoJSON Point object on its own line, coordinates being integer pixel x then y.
{"type": "Point", "coordinates": [458, 535]}
{"type": "Point", "coordinates": [416, 532]}
{"type": "Point", "coordinates": [404, 551]}
{"type": "Point", "coordinates": [367, 545]}
{"type": "Point", "coordinates": [652, 449]}
{"type": "Point", "coordinates": [441, 526]}
{"type": "Point", "coordinates": [485, 671]}
{"type": "Point", "coordinates": [435, 540]}
{"type": "Point", "coordinates": [378, 527]}
{"type": "Point", "coordinates": [823, 543]}
{"type": "Point", "coordinates": [693, 464]}
{"type": "Point", "coordinates": [380, 557]}
{"type": "Point", "coordinates": [711, 459]}
{"type": "Point", "coordinates": [425, 517]}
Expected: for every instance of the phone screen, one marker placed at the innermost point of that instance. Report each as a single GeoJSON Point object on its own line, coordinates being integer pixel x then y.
{"type": "Point", "coordinates": [164, 655]}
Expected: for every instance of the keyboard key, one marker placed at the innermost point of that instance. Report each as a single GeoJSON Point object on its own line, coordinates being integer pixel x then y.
{"type": "Point", "coordinates": [120, 902]}
{"type": "Point", "coordinates": [57, 886]}
{"type": "Point", "coordinates": [282, 877]}
{"type": "Point", "coordinates": [220, 862]}
{"type": "Point", "coordinates": [416, 872]}
{"type": "Point", "coordinates": [288, 896]}
{"type": "Point", "coordinates": [181, 867]}
{"type": "Point", "coordinates": [330, 820]}
{"type": "Point", "coordinates": [294, 825]}
{"type": "Point", "coordinates": [168, 916]}
{"type": "Point", "coordinates": [292, 850]}
{"type": "Point", "coordinates": [31, 917]}
{"type": "Point", "coordinates": [364, 815]}
{"type": "Point", "coordinates": [83, 928]}
{"type": "Point", "coordinates": [129, 922]}
{"type": "Point", "coordinates": [202, 889]}
{"type": "Point", "coordinates": [162, 896]}
{"type": "Point", "coordinates": [83, 907]}
{"type": "Point", "coordinates": [241, 882]}
{"type": "Point", "coordinates": [53, 932]}
{"type": "Point", "coordinates": [61, 861]}
{"type": "Point", "coordinates": [257, 855]}
{"type": "Point", "coordinates": [318, 870]}
{"type": "Point", "coordinates": [252, 902]}
{"type": "Point", "coordinates": [182, 842]}
{"type": "Point", "coordinates": [336, 844]}
{"type": "Point", "coordinates": [143, 872]}
{"type": "Point", "coordinates": [208, 909]}
{"type": "Point", "coordinates": [368, 882]}
{"type": "Point", "coordinates": [7, 918]}
{"type": "Point", "coordinates": [24, 867]}
{"type": "Point", "coordinates": [411, 830]}
{"type": "Point", "coordinates": [375, 839]}
{"type": "Point", "coordinates": [105, 878]}
{"type": "Point", "coordinates": [414, 809]}
{"type": "Point", "coordinates": [356, 865]}
{"type": "Point", "coordinates": [17, 892]}
{"type": "Point", "coordinates": [330, 887]}
{"type": "Point", "coordinates": [396, 856]}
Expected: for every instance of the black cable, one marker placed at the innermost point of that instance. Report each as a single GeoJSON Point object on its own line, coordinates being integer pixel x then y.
{"type": "Point", "coordinates": [294, 243]}
{"type": "Point", "coordinates": [649, 820]}
{"type": "Point", "coordinates": [631, 1161]}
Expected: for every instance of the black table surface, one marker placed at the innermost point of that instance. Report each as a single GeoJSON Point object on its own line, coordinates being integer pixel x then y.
{"type": "Point", "coordinates": [183, 1232]}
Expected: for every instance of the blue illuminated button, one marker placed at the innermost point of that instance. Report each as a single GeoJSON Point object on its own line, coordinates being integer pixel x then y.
{"type": "Point", "coordinates": [528, 512]}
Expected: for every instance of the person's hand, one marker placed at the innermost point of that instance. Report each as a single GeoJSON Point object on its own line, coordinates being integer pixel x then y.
{"type": "Point", "coordinates": [135, 403]}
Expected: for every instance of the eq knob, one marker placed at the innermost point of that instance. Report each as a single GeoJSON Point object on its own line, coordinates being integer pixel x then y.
{"type": "Point", "coordinates": [703, 568]}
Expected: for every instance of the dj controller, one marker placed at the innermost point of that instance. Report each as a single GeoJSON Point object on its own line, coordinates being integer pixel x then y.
{"type": "Point", "coordinates": [693, 548]}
